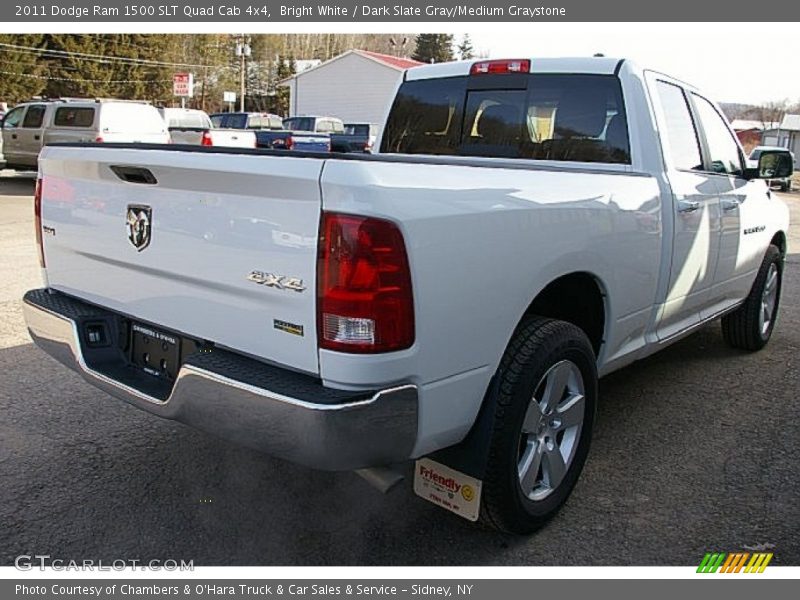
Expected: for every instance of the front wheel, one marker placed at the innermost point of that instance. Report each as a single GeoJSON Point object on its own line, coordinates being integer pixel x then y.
{"type": "Point", "coordinates": [544, 410]}
{"type": "Point", "coordinates": [750, 326]}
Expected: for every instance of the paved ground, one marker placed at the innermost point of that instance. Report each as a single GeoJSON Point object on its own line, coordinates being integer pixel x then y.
{"type": "Point", "coordinates": [696, 448]}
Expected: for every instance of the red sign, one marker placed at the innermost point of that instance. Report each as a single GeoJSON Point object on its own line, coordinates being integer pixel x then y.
{"type": "Point", "coordinates": [183, 85]}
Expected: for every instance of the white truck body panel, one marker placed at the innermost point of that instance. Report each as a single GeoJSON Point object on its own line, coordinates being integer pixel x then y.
{"type": "Point", "coordinates": [208, 236]}
{"type": "Point", "coordinates": [484, 237]}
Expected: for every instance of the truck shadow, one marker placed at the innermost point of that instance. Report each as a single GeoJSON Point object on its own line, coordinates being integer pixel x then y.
{"type": "Point", "coordinates": [90, 477]}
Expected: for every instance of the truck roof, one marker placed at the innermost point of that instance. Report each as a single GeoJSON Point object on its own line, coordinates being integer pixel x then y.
{"type": "Point", "coordinates": [600, 65]}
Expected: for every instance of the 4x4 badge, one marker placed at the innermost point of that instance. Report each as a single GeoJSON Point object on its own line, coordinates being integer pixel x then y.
{"type": "Point", "coordinates": [139, 223]}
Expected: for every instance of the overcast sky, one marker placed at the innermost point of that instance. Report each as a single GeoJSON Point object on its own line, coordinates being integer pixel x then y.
{"type": "Point", "coordinates": [750, 62]}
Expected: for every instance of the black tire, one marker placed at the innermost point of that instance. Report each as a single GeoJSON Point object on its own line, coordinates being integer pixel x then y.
{"type": "Point", "coordinates": [537, 346]}
{"type": "Point", "coordinates": [785, 186]}
{"type": "Point", "coordinates": [743, 328]}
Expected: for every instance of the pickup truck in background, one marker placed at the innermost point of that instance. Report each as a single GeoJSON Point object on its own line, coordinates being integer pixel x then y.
{"type": "Point", "coordinates": [270, 132]}
{"type": "Point", "coordinates": [194, 127]}
{"type": "Point", "coordinates": [528, 226]}
{"type": "Point", "coordinates": [357, 137]}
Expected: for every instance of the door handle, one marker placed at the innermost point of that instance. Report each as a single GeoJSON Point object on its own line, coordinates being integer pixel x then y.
{"type": "Point", "coordinates": [687, 206]}
{"type": "Point", "coordinates": [729, 205]}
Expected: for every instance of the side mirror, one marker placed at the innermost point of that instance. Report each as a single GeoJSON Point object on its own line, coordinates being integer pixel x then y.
{"type": "Point", "coordinates": [772, 164]}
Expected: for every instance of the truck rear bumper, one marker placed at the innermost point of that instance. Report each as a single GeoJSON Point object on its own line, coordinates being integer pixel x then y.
{"type": "Point", "coordinates": [273, 410]}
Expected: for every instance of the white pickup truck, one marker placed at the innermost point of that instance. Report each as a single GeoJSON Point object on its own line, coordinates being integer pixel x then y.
{"type": "Point", "coordinates": [194, 127]}
{"type": "Point", "coordinates": [528, 226]}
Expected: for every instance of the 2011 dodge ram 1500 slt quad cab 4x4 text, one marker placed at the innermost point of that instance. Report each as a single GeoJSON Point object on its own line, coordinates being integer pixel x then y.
{"type": "Point", "coordinates": [527, 226]}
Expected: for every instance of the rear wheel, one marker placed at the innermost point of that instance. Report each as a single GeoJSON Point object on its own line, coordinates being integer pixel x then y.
{"type": "Point", "coordinates": [750, 326]}
{"type": "Point", "coordinates": [544, 412]}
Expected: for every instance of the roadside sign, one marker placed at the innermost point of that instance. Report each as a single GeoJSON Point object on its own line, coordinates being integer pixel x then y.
{"type": "Point", "coordinates": [183, 85]}
{"type": "Point", "coordinates": [229, 96]}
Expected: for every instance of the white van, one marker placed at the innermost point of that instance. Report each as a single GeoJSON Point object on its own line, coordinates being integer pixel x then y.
{"type": "Point", "coordinates": [29, 126]}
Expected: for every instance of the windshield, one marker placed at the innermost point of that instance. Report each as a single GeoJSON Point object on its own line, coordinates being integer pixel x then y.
{"type": "Point", "coordinates": [577, 118]}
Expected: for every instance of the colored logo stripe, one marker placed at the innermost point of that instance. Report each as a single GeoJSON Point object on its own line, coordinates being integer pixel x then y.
{"type": "Point", "coordinates": [711, 562]}
{"type": "Point", "coordinates": [734, 562]}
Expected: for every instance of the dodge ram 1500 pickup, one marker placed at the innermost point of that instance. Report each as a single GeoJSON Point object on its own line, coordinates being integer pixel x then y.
{"type": "Point", "coordinates": [527, 226]}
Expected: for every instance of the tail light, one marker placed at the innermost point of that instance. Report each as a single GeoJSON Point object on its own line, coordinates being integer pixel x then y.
{"type": "Point", "coordinates": [365, 303]}
{"type": "Point", "coordinates": [99, 139]}
{"type": "Point", "coordinates": [289, 142]}
{"type": "Point", "coordinates": [206, 139]}
{"type": "Point", "coordinates": [495, 67]}
{"type": "Point", "coordinates": [37, 217]}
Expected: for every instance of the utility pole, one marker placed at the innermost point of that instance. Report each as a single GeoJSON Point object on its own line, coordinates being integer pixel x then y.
{"type": "Point", "coordinates": [242, 51]}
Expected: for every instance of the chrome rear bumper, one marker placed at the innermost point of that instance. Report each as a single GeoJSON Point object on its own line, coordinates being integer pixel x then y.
{"type": "Point", "coordinates": [225, 394]}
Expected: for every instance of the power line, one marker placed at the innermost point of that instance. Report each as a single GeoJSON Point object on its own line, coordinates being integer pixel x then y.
{"type": "Point", "coordinates": [72, 80]}
{"type": "Point", "coordinates": [101, 58]}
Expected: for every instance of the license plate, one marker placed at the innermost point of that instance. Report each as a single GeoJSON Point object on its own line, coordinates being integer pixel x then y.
{"type": "Point", "coordinates": [448, 488]}
{"type": "Point", "coordinates": [156, 352]}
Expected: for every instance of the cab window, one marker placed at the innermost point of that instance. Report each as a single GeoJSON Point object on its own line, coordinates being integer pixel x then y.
{"type": "Point", "coordinates": [34, 117]}
{"type": "Point", "coordinates": [13, 118]}
{"type": "Point", "coordinates": [681, 135]}
{"type": "Point", "coordinates": [722, 147]}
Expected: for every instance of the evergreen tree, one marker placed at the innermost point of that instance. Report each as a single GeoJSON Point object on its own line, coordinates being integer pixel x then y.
{"type": "Point", "coordinates": [465, 49]}
{"type": "Point", "coordinates": [433, 47]}
{"type": "Point", "coordinates": [22, 73]}
{"type": "Point", "coordinates": [285, 69]}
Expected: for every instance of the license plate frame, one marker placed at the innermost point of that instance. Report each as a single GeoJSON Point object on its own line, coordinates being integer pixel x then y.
{"type": "Point", "coordinates": [155, 351]}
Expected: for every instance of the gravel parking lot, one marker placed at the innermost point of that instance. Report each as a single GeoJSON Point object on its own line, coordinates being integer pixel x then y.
{"type": "Point", "coordinates": [696, 449]}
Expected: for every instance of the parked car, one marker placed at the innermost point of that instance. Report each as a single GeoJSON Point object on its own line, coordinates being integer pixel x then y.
{"type": "Point", "coordinates": [357, 137]}
{"type": "Point", "coordinates": [785, 183]}
{"type": "Point", "coordinates": [30, 126]}
{"type": "Point", "coordinates": [194, 127]}
{"type": "Point", "coordinates": [270, 132]}
{"type": "Point", "coordinates": [452, 299]}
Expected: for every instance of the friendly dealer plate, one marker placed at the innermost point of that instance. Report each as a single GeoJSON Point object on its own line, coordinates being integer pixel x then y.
{"type": "Point", "coordinates": [448, 488]}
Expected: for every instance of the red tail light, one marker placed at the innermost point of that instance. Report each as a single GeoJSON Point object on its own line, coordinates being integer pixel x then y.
{"type": "Point", "coordinates": [493, 67]}
{"type": "Point", "coordinates": [37, 217]}
{"type": "Point", "coordinates": [206, 139]}
{"type": "Point", "coordinates": [99, 139]}
{"type": "Point", "coordinates": [289, 142]}
{"type": "Point", "coordinates": [365, 303]}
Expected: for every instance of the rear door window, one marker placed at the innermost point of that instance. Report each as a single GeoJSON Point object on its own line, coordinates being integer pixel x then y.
{"type": "Point", "coordinates": [684, 147]}
{"type": "Point", "coordinates": [579, 118]}
{"type": "Point", "coordinates": [72, 116]}
{"type": "Point", "coordinates": [34, 117]}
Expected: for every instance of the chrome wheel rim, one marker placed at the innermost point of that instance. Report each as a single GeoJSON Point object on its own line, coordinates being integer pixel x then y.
{"type": "Point", "coordinates": [551, 430]}
{"type": "Point", "coordinates": [769, 298]}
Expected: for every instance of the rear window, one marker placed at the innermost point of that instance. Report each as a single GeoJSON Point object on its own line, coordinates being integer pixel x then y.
{"type": "Point", "coordinates": [189, 120]}
{"type": "Point", "coordinates": [299, 123]}
{"type": "Point", "coordinates": [71, 116]}
{"type": "Point", "coordinates": [351, 129]}
{"type": "Point", "coordinates": [579, 118]}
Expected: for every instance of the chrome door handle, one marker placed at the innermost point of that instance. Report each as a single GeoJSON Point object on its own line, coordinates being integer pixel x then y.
{"type": "Point", "coordinates": [687, 206]}
{"type": "Point", "coordinates": [728, 205]}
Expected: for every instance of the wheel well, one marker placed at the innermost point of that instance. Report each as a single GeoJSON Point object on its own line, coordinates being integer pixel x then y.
{"type": "Point", "coordinates": [779, 239]}
{"type": "Point", "coordinates": [578, 299]}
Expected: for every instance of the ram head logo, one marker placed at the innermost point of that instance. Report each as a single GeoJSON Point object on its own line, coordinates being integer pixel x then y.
{"type": "Point", "coordinates": [139, 223]}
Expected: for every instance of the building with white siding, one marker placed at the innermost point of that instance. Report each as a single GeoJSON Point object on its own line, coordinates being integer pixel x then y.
{"type": "Point", "coordinates": [356, 87]}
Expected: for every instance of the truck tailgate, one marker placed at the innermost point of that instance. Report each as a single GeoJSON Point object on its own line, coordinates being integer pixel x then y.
{"type": "Point", "coordinates": [218, 246]}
